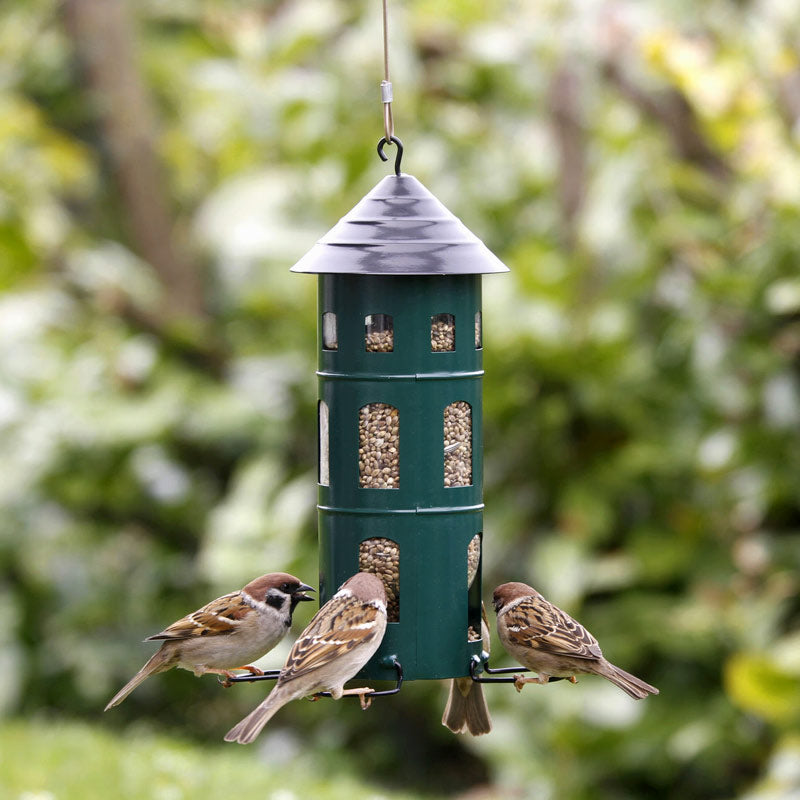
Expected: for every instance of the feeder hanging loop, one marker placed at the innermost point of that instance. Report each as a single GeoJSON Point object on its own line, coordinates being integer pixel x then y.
{"type": "Point", "coordinates": [386, 98]}
{"type": "Point", "coordinates": [398, 158]}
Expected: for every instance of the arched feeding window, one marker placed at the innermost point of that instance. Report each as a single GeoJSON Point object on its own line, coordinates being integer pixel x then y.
{"type": "Point", "coordinates": [478, 331]}
{"type": "Point", "coordinates": [473, 560]}
{"type": "Point", "coordinates": [324, 443]}
{"type": "Point", "coordinates": [378, 333]}
{"type": "Point", "coordinates": [443, 333]}
{"type": "Point", "coordinates": [458, 444]}
{"type": "Point", "coordinates": [378, 447]}
{"type": "Point", "coordinates": [330, 337]}
{"type": "Point", "coordinates": [382, 557]}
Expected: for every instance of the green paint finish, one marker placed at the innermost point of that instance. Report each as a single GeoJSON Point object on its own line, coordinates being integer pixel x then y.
{"type": "Point", "coordinates": [432, 524]}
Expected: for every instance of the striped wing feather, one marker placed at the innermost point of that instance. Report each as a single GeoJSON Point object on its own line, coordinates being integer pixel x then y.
{"type": "Point", "coordinates": [347, 623]}
{"type": "Point", "coordinates": [217, 618]}
{"type": "Point", "coordinates": [540, 625]}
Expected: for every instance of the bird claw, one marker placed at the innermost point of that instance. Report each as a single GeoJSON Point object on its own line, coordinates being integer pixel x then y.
{"type": "Point", "coordinates": [227, 682]}
{"type": "Point", "coordinates": [519, 682]}
{"type": "Point", "coordinates": [572, 679]}
{"type": "Point", "coordinates": [362, 693]}
{"type": "Point", "coordinates": [252, 670]}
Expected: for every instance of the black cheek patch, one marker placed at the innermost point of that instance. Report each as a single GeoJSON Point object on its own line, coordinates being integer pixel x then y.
{"type": "Point", "coordinates": [274, 601]}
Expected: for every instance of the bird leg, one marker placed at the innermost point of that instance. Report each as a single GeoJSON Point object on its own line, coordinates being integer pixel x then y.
{"type": "Point", "coordinates": [521, 680]}
{"type": "Point", "coordinates": [362, 696]}
{"type": "Point", "coordinates": [231, 674]}
{"type": "Point", "coordinates": [251, 669]}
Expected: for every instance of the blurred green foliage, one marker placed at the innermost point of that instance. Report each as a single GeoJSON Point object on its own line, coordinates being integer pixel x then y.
{"type": "Point", "coordinates": [635, 163]}
{"type": "Point", "coordinates": [73, 761]}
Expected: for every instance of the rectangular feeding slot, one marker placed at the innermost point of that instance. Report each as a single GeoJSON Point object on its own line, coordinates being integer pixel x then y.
{"type": "Point", "coordinates": [378, 333]}
{"type": "Point", "coordinates": [324, 444]}
{"type": "Point", "coordinates": [443, 333]}
{"type": "Point", "coordinates": [458, 444]}
{"type": "Point", "coordinates": [473, 558]}
{"type": "Point", "coordinates": [381, 557]}
{"type": "Point", "coordinates": [330, 338]}
{"type": "Point", "coordinates": [379, 447]}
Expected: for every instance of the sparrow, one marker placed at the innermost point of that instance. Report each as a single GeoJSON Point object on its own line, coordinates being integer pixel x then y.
{"type": "Point", "coordinates": [548, 641]}
{"type": "Point", "coordinates": [227, 633]}
{"type": "Point", "coordinates": [466, 708]}
{"type": "Point", "coordinates": [342, 636]}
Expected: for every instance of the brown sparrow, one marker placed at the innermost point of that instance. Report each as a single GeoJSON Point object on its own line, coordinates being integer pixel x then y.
{"type": "Point", "coordinates": [227, 633]}
{"type": "Point", "coordinates": [466, 708]}
{"type": "Point", "coordinates": [340, 639]}
{"type": "Point", "coordinates": [548, 641]}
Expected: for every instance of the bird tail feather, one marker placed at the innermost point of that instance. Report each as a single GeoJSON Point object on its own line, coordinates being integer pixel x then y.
{"type": "Point", "coordinates": [466, 708]}
{"type": "Point", "coordinates": [246, 730]}
{"type": "Point", "coordinates": [161, 661]}
{"type": "Point", "coordinates": [635, 687]}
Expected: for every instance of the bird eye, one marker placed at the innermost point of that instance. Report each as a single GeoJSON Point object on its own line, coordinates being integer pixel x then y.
{"type": "Point", "coordinates": [286, 588]}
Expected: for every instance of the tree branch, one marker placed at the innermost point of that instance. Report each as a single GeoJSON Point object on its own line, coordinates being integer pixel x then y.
{"type": "Point", "coordinates": [568, 129]}
{"type": "Point", "coordinates": [673, 112]}
{"type": "Point", "coordinates": [101, 35]}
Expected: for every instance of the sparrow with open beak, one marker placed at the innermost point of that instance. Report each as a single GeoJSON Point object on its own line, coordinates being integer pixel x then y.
{"type": "Point", "coordinates": [342, 636]}
{"type": "Point", "coordinates": [227, 633]}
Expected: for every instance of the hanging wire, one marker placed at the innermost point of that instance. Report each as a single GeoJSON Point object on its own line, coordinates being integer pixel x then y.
{"type": "Point", "coordinates": [386, 99]}
{"type": "Point", "coordinates": [386, 83]}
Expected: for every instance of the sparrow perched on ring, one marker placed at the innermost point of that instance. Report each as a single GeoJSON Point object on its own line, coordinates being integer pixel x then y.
{"type": "Point", "coordinates": [548, 641]}
{"type": "Point", "coordinates": [342, 636]}
{"type": "Point", "coordinates": [227, 633]}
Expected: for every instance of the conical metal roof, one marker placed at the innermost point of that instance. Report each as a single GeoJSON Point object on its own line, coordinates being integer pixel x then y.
{"type": "Point", "coordinates": [400, 228]}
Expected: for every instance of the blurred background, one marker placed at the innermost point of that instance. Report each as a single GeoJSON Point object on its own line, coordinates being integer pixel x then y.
{"type": "Point", "coordinates": [636, 164]}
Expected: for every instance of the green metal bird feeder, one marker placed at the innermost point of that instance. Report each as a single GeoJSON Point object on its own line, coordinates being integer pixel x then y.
{"type": "Point", "coordinates": [400, 374]}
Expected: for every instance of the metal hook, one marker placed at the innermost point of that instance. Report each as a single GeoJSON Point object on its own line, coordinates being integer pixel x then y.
{"type": "Point", "coordinates": [398, 158]}
{"type": "Point", "coordinates": [478, 664]}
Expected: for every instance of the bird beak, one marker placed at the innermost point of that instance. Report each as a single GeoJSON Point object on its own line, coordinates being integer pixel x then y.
{"type": "Point", "coordinates": [297, 594]}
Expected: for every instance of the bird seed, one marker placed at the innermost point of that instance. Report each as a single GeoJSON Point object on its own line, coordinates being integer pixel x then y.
{"type": "Point", "coordinates": [458, 444]}
{"type": "Point", "coordinates": [381, 557]}
{"type": "Point", "coordinates": [443, 333]}
{"type": "Point", "coordinates": [378, 447]}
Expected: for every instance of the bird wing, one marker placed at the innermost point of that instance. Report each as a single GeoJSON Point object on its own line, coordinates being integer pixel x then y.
{"type": "Point", "coordinates": [538, 624]}
{"type": "Point", "coordinates": [217, 618]}
{"type": "Point", "coordinates": [337, 628]}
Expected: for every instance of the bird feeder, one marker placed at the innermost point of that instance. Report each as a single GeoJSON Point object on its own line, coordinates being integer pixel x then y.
{"type": "Point", "coordinates": [400, 350]}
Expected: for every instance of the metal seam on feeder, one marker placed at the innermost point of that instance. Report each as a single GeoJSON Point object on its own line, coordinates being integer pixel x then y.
{"type": "Point", "coordinates": [422, 510]}
{"type": "Point", "coordinates": [360, 376]}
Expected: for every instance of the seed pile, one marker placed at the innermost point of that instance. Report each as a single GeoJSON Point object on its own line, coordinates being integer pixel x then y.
{"type": "Point", "coordinates": [443, 333]}
{"type": "Point", "coordinates": [378, 333]}
{"type": "Point", "coordinates": [378, 442]}
{"type": "Point", "coordinates": [473, 557]}
{"type": "Point", "coordinates": [381, 557]}
{"type": "Point", "coordinates": [458, 444]}
{"type": "Point", "coordinates": [379, 341]}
